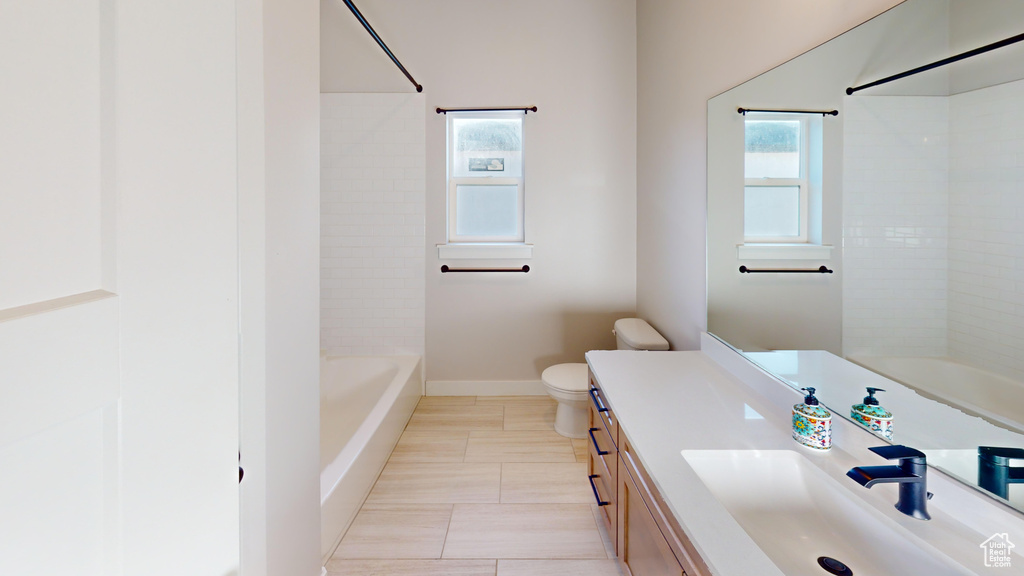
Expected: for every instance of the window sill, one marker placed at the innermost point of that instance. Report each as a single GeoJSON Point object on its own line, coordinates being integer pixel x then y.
{"type": "Point", "coordinates": [784, 251]}
{"type": "Point", "coordinates": [485, 251]}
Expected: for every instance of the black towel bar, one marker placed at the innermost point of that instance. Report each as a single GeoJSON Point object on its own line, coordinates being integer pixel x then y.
{"type": "Point", "coordinates": [445, 268]}
{"type": "Point", "coordinates": [819, 270]}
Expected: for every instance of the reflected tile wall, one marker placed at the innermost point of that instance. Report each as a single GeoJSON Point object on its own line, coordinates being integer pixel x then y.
{"type": "Point", "coordinates": [372, 203]}
{"type": "Point", "coordinates": [895, 225]}
{"type": "Point", "coordinates": [986, 240]}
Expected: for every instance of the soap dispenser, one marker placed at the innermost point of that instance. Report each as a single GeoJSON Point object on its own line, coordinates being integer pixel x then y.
{"type": "Point", "coordinates": [872, 416]}
{"type": "Point", "coordinates": [812, 423]}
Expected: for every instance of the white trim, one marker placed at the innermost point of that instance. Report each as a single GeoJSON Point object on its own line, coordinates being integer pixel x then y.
{"type": "Point", "coordinates": [485, 388]}
{"type": "Point", "coordinates": [485, 251]}
{"type": "Point", "coordinates": [784, 251]}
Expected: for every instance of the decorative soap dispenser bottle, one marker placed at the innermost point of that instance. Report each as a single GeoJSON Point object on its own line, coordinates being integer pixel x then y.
{"type": "Point", "coordinates": [872, 416]}
{"type": "Point", "coordinates": [812, 423]}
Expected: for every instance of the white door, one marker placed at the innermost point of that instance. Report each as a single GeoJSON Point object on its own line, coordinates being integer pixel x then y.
{"type": "Point", "coordinates": [118, 288]}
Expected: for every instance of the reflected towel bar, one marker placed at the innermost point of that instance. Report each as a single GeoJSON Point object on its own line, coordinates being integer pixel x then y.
{"type": "Point", "coordinates": [445, 269]}
{"type": "Point", "coordinates": [819, 270]}
{"type": "Point", "coordinates": [822, 112]}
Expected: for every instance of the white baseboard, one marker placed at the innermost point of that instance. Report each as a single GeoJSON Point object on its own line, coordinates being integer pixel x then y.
{"type": "Point", "coordinates": [485, 388]}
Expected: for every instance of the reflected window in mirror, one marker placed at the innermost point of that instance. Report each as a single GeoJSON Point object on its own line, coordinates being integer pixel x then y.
{"type": "Point", "coordinates": [778, 164]}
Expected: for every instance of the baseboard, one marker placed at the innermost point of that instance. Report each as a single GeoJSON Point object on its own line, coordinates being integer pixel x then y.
{"type": "Point", "coordinates": [485, 388]}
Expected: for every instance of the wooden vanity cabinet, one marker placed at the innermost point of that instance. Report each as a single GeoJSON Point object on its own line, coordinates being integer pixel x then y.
{"type": "Point", "coordinates": [648, 538]}
{"type": "Point", "coordinates": [602, 464]}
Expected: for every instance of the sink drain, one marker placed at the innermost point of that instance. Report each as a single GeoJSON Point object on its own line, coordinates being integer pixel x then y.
{"type": "Point", "coordinates": [833, 566]}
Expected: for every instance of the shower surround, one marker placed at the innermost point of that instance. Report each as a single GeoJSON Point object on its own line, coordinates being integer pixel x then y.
{"type": "Point", "coordinates": [373, 160]}
{"type": "Point", "coordinates": [937, 268]}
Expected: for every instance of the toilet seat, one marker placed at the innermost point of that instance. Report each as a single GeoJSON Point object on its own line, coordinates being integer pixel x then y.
{"type": "Point", "coordinates": [571, 377]}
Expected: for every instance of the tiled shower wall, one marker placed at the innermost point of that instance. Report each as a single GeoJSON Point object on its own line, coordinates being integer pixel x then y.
{"type": "Point", "coordinates": [372, 200]}
{"type": "Point", "coordinates": [986, 241]}
{"type": "Point", "coordinates": [895, 223]}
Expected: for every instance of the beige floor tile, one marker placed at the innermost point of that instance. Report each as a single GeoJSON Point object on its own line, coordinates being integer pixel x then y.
{"type": "Point", "coordinates": [430, 446]}
{"type": "Point", "coordinates": [436, 483]}
{"type": "Point", "coordinates": [534, 416]}
{"type": "Point", "coordinates": [518, 446]}
{"type": "Point", "coordinates": [426, 401]}
{"type": "Point", "coordinates": [338, 567]}
{"type": "Point", "coordinates": [439, 417]}
{"type": "Point", "coordinates": [559, 568]}
{"type": "Point", "coordinates": [529, 483]}
{"type": "Point", "coordinates": [580, 447]}
{"type": "Point", "coordinates": [523, 531]}
{"type": "Point", "coordinates": [396, 532]}
{"type": "Point", "coordinates": [515, 400]}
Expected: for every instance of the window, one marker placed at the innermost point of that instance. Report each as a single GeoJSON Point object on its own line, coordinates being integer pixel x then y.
{"type": "Point", "coordinates": [485, 177]}
{"type": "Point", "coordinates": [776, 191]}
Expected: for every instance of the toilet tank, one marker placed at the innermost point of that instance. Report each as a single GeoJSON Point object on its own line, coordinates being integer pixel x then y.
{"type": "Point", "coordinates": [636, 334]}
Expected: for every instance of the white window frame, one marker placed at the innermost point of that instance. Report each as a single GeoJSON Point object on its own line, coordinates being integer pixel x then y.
{"type": "Point", "coordinates": [802, 182]}
{"type": "Point", "coordinates": [454, 238]}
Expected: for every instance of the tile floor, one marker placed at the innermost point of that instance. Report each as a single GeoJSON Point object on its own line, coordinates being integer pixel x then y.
{"type": "Point", "coordinates": [480, 486]}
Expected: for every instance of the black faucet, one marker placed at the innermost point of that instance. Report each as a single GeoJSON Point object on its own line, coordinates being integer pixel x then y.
{"type": "Point", "coordinates": [910, 474]}
{"type": "Point", "coordinates": [994, 471]}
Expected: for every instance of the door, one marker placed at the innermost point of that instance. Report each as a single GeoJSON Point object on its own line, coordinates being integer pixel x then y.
{"type": "Point", "coordinates": [118, 288]}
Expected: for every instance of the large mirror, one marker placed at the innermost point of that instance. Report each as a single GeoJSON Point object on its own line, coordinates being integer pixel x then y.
{"type": "Point", "coordinates": [883, 245]}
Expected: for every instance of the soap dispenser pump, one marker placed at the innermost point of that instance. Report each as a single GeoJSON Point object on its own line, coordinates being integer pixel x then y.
{"type": "Point", "coordinates": [872, 416]}
{"type": "Point", "coordinates": [812, 423]}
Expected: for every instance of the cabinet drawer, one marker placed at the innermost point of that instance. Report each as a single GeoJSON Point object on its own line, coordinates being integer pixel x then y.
{"type": "Point", "coordinates": [602, 448]}
{"type": "Point", "coordinates": [632, 475]}
{"type": "Point", "coordinates": [600, 412]}
{"type": "Point", "coordinates": [604, 487]}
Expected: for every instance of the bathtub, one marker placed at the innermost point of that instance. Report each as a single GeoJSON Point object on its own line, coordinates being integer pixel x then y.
{"type": "Point", "coordinates": [993, 397]}
{"type": "Point", "coordinates": [365, 403]}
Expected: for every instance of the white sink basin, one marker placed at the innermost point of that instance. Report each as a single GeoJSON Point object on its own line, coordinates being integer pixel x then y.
{"type": "Point", "coordinates": [796, 513]}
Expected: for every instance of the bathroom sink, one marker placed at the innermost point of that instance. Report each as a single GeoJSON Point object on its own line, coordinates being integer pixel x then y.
{"type": "Point", "coordinates": [796, 513]}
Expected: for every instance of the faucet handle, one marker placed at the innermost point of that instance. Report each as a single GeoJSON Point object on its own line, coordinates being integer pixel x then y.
{"type": "Point", "coordinates": [899, 452]}
{"type": "Point", "coordinates": [1001, 456]}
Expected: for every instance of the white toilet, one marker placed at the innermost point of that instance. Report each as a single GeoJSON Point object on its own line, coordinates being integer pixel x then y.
{"type": "Point", "coordinates": [568, 383]}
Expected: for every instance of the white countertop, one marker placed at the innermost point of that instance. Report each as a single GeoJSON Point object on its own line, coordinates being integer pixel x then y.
{"type": "Point", "coordinates": [667, 402]}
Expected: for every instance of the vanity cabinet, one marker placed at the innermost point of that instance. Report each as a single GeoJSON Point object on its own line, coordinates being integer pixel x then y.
{"type": "Point", "coordinates": [648, 539]}
{"type": "Point", "coordinates": [603, 456]}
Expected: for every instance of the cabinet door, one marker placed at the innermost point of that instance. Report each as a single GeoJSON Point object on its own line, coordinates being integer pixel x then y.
{"type": "Point", "coordinates": [641, 545]}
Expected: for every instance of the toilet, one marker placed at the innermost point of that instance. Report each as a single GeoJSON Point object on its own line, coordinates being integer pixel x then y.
{"type": "Point", "coordinates": [569, 383]}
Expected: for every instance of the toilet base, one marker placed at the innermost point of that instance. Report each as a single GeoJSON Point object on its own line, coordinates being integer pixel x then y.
{"type": "Point", "coordinates": [572, 419]}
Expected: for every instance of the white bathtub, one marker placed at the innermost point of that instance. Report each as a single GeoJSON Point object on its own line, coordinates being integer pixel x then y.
{"type": "Point", "coordinates": [995, 398]}
{"type": "Point", "coordinates": [365, 403]}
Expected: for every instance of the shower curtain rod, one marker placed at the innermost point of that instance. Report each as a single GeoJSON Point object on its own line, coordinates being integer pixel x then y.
{"type": "Point", "coordinates": [937, 64]}
{"type": "Point", "coordinates": [362, 20]}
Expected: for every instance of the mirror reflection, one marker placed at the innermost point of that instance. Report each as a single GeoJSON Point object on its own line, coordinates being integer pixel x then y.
{"type": "Point", "coordinates": [912, 195]}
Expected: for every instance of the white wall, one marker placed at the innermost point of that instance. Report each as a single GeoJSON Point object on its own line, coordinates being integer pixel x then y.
{"type": "Point", "coordinates": [688, 52]}
{"type": "Point", "coordinates": [895, 225]}
{"type": "Point", "coordinates": [278, 213]}
{"type": "Point", "coordinates": [575, 60]}
{"type": "Point", "coordinates": [372, 166]}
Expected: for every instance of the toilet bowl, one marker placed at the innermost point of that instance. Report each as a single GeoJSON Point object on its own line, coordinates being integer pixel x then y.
{"type": "Point", "coordinates": [569, 383]}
